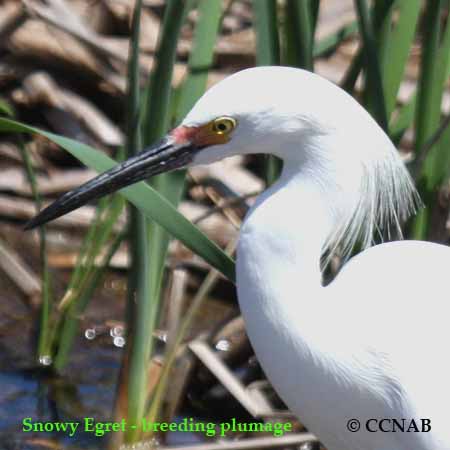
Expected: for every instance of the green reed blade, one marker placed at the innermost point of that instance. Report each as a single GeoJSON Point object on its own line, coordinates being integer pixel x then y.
{"type": "Point", "coordinates": [144, 197]}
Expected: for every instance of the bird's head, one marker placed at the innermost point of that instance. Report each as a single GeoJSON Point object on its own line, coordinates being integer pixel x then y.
{"type": "Point", "coordinates": [258, 110]}
{"type": "Point", "coordinates": [292, 113]}
{"type": "Point", "coordinates": [245, 113]}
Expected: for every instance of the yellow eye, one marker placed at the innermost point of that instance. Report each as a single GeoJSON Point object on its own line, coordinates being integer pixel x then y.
{"type": "Point", "coordinates": [223, 125]}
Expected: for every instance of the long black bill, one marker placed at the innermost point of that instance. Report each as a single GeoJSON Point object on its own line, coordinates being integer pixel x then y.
{"type": "Point", "coordinates": [164, 156]}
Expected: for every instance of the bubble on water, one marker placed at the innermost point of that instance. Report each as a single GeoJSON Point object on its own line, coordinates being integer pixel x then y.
{"type": "Point", "coordinates": [90, 334]}
{"type": "Point", "coordinates": [223, 345]}
{"type": "Point", "coordinates": [116, 332]}
{"type": "Point", "coordinates": [45, 360]}
{"type": "Point", "coordinates": [119, 341]}
{"type": "Point", "coordinates": [306, 446]}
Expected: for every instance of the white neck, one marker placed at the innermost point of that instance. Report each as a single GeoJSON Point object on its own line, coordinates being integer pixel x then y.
{"type": "Point", "coordinates": [279, 280]}
{"type": "Point", "coordinates": [284, 233]}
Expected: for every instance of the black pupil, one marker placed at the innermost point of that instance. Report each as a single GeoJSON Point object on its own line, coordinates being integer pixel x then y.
{"type": "Point", "coordinates": [221, 126]}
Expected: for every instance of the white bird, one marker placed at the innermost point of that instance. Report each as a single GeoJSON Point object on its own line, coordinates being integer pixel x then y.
{"type": "Point", "coordinates": [371, 345]}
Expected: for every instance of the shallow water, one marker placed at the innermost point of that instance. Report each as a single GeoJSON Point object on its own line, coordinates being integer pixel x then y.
{"type": "Point", "coordinates": [87, 386]}
{"type": "Point", "coordinates": [86, 389]}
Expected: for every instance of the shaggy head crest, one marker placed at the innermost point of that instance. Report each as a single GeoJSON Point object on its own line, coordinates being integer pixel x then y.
{"type": "Point", "coordinates": [387, 197]}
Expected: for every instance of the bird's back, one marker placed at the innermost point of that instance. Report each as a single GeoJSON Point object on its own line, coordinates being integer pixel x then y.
{"type": "Point", "coordinates": [396, 301]}
{"type": "Point", "coordinates": [370, 345]}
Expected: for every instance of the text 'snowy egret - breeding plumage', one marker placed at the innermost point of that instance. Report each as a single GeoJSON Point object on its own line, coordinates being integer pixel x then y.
{"type": "Point", "coordinates": [373, 343]}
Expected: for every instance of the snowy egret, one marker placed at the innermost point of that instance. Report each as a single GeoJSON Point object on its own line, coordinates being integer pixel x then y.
{"type": "Point", "coordinates": [364, 357]}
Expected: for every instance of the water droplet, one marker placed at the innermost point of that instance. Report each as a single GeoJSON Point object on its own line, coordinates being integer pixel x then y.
{"type": "Point", "coordinates": [45, 360]}
{"type": "Point", "coordinates": [119, 341]}
{"type": "Point", "coordinates": [223, 345]}
{"type": "Point", "coordinates": [116, 332]}
{"type": "Point", "coordinates": [90, 334]}
{"type": "Point", "coordinates": [306, 446]}
{"type": "Point", "coordinates": [161, 335]}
